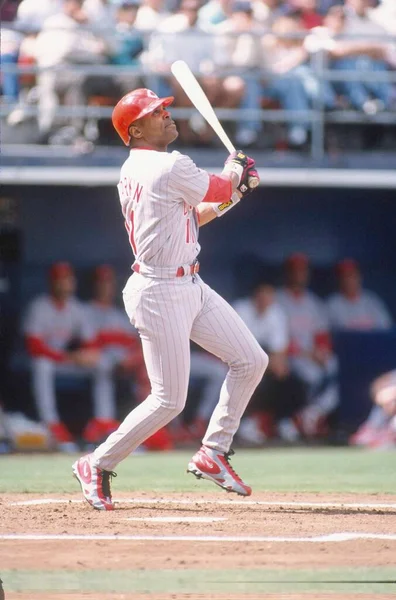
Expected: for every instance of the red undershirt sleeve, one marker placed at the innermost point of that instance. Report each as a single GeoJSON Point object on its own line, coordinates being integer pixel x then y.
{"type": "Point", "coordinates": [36, 348]}
{"type": "Point", "coordinates": [220, 189]}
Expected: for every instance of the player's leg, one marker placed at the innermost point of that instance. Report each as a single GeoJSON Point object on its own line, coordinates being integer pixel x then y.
{"type": "Point", "coordinates": [43, 386]}
{"type": "Point", "coordinates": [323, 393]}
{"type": "Point", "coordinates": [163, 317]}
{"type": "Point", "coordinates": [220, 330]}
{"type": "Point", "coordinates": [104, 418]}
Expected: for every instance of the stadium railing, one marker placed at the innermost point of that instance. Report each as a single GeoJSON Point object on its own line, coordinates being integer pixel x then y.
{"type": "Point", "coordinates": [317, 116]}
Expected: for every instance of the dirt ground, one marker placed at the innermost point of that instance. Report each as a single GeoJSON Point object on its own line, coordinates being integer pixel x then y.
{"type": "Point", "coordinates": [240, 519]}
{"type": "Point", "coordinates": [96, 596]}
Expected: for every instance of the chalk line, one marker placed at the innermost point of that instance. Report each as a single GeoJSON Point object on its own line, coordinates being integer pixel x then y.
{"type": "Point", "coordinates": [332, 537]}
{"type": "Point", "coordinates": [189, 502]}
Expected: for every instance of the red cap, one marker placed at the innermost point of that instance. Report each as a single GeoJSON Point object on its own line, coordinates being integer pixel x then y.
{"type": "Point", "coordinates": [59, 270]}
{"type": "Point", "coordinates": [104, 273]}
{"type": "Point", "coordinates": [133, 106]}
{"type": "Point", "coordinates": [347, 266]}
{"type": "Point", "coordinates": [297, 260]}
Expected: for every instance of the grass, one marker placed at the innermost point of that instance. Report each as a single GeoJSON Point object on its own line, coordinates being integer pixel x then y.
{"type": "Point", "coordinates": [371, 580]}
{"type": "Point", "coordinates": [327, 470]}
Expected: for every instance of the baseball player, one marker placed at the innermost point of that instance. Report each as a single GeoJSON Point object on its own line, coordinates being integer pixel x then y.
{"type": "Point", "coordinates": [60, 341]}
{"type": "Point", "coordinates": [353, 307]}
{"type": "Point", "coordinates": [311, 355]}
{"type": "Point", "coordinates": [379, 429]}
{"type": "Point", "coordinates": [165, 198]}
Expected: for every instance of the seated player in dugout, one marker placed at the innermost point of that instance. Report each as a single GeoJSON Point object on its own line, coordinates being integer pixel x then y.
{"type": "Point", "coordinates": [311, 354]}
{"type": "Point", "coordinates": [120, 354]}
{"type": "Point", "coordinates": [165, 199]}
{"type": "Point", "coordinates": [59, 342]}
{"type": "Point", "coordinates": [281, 394]}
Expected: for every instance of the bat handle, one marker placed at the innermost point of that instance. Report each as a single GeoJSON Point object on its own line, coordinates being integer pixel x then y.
{"type": "Point", "coordinates": [253, 182]}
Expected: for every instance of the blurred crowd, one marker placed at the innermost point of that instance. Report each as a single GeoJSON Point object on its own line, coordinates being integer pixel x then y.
{"type": "Point", "coordinates": [296, 402]}
{"type": "Point", "coordinates": [249, 54]}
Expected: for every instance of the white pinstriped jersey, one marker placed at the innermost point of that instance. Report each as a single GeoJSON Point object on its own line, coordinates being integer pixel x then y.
{"type": "Point", "coordinates": [158, 192]}
{"type": "Point", "coordinates": [56, 325]}
{"type": "Point", "coordinates": [306, 316]}
{"type": "Point", "coordinates": [365, 312]}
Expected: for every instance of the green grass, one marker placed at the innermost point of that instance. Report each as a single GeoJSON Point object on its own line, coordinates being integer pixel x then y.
{"type": "Point", "coordinates": [296, 470]}
{"type": "Point", "coordinates": [370, 580]}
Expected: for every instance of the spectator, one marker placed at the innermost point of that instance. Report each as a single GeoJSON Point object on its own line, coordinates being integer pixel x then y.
{"type": "Point", "coordinates": [280, 394]}
{"type": "Point", "coordinates": [100, 13]}
{"type": "Point", "coordinates": [384, 15]}
{"type": "Point", "coordinates": [8, 10]}
{"type": "Point", "coordinates": [63, 42]}
{"type": "Point", "coordinates": [31, 14]}
{"type": "Point", "coordinates": [60, 341]}
{"type": "Point", "coordinates": [265, 12]}
{"type": "Point", "coordinates": [150, 14]}
{"type": "Point", "coordinates": [238, 47]}
{"type": "Point", "coordinates": [214, 12]}
{"type": "Point", "coordinates": [10, 43]}
{"type": "Point", "coordinates": [296, 85]}
{"type": "Point", "coordinates": [379, 429]}
{"type": "Point", "coordinates": [311, 355]}
{"type": "Point", "coordinates": [121, 356]}
{"type": "Point", "coordinates": [363, 56]}
{"type": "Point", "coordinates": [308, 11]}
{"type": "Point", "coordinates": [195, 47]}
{"type": "Point", "coordinates": [353, 307]}
{"type": "Point", "coordinates": [129, 47]}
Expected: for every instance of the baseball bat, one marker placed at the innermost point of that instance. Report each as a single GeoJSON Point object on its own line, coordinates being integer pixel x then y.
{"type": "Point", "coordinates": [187, 80]}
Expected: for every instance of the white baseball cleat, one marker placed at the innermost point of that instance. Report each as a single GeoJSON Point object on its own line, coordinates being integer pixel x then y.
{"type": "Point", "coordinates": [95, 483]}
{"type": "Point", "coordinates": [215, 466]}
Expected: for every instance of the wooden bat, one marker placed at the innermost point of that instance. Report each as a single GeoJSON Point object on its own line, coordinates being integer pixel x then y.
{"type": "Point", "coordinates": [187, 80]}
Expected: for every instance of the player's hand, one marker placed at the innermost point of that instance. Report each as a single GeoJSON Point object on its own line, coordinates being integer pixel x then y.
{"type": "Point", "coordinates": [245, 168]}
{"type": "Point", "coordinates": [85, 357]}
{"type": "Point", "coordinates": [251, 181]}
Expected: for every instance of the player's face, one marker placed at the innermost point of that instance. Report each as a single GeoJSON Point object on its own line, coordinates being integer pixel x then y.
{"type": "Point", "coordinates": [299, 276]}
{"type": "Point", "coordinates": [105, 291]}
{"type": "Point", "coordinates": [350, 284]}
{"type": "Point", "coordinates": [156, 129]}
{"type": "Point", "coordinates": [264, 297]}
{"type": "Point", "coordinates": [63, 287]}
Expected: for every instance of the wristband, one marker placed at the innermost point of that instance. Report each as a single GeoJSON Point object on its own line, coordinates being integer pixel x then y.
{"type": "Point", "coordinates": [221, 209]}
{"type": "Point", "coordinates": [233, 167]}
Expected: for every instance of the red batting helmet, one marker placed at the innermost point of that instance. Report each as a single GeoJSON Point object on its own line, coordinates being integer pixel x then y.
{"type": "Point", "coordinates": [133, 106]}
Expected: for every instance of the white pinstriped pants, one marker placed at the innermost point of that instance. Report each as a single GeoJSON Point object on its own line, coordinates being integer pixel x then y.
{"type": "Point", "coordinates": [168, 313]}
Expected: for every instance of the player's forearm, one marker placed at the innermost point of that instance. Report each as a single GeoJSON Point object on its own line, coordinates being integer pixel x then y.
{"type": "Point", "coordinates": [205, 213]}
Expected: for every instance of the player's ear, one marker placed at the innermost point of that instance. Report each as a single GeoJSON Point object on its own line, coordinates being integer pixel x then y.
{"type": "Point", "coordinates": [135, 131]}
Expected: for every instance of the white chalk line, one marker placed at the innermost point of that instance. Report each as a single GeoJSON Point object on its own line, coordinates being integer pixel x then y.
{"type": "Point", "coordinates": [332, 537]}
{"type": "Point", "coordinates": [187, 502]}
{"type": "Point", "coordinates": [176, 519]}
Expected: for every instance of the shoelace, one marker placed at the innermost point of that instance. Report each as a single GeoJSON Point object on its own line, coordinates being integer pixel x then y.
{"type": "Point", "coordinates": [106, 482]}
{"type": "Point", "coordinates": [227, 456]}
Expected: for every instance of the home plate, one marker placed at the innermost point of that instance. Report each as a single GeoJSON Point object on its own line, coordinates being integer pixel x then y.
{"type": "Point", "coordinates": [177, 519]}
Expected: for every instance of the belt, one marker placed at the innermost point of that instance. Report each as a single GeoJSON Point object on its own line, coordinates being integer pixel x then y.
{"type": "Point", "coordinates": [166, 272]}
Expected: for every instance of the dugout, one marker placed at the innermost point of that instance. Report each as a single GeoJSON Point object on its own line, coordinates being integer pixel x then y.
{"type": "Point", "coordinates": [77, 218]}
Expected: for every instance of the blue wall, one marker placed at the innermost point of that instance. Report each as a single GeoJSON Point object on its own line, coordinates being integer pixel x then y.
{"type": "Point", "coordinates": [84, 225]}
